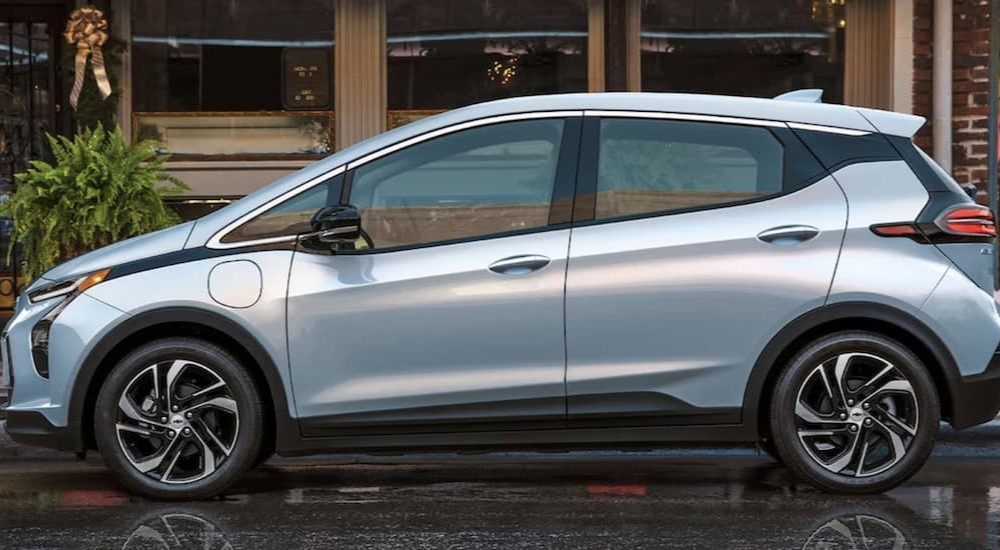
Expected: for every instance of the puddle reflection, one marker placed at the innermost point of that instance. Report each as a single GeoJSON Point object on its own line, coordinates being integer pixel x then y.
{"type": "Point", "coordinates": [859, 531]}
{"type": "Point", "coordinates": [854, 529]}
{"type": "Point", "coordinates": [597, 505]}
{"type": "Point", "coordinates": [176, 531]}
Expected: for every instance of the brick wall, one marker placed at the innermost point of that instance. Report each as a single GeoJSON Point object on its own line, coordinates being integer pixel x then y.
{"type": "Point", "coordinates": [923, 14]}
{"type": "Point", "coordinates": [970, 65]}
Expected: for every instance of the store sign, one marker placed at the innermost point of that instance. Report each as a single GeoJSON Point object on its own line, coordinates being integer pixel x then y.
{"type": "Point", "coordinates": [305, 79]}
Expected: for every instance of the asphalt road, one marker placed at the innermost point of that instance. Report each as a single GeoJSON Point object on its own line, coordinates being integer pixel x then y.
{"type": "Point", "coordinates": [728, 499]}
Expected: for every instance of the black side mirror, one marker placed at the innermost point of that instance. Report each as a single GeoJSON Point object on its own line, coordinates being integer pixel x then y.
{"type": "Point", "coordinates": [336, 224]}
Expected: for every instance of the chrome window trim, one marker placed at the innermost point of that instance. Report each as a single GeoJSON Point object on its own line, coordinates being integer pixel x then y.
{"type": "Point", "coordinates": [728, 120]}
{"type": "Point", "coordinates": [216, 241]}
{"type": "Point", "coordinates": [458, 127]}
{"type": "Point", "coordinates": [687, 116]}
{"type": "Point", "coordinates": [827, 129]}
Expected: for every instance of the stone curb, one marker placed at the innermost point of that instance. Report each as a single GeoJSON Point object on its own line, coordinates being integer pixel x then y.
{"type": "Point", "coordinates": [982, 440]}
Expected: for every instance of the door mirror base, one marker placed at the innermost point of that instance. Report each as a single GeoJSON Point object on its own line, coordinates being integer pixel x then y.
{"type": "Point", "coordinates": [335, 224]}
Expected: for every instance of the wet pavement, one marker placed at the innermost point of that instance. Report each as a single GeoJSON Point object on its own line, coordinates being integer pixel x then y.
{"type": "Point", "coordinates": [697, 499]}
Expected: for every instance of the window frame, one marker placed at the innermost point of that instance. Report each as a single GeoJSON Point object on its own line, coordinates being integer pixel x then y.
{"type": "Point", "coordinates": [560, 205]}
{"type": "Point", "coordinates": [585, 211]}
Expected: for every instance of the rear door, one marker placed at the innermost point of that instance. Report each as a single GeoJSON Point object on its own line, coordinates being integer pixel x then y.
{"type": "Point", "coordinates": [696, 240]}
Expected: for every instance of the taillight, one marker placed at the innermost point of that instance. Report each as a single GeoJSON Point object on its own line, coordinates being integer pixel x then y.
{"type": "Point", "coordinates": [896, 230]}
{"type": "Point", "coordinates": [967, 221]}
{"type": "Point", "coordinates": [958, 223]}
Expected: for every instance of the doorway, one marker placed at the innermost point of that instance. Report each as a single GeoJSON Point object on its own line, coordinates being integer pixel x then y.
{"type": "Point", "coordinates": [31, 47]}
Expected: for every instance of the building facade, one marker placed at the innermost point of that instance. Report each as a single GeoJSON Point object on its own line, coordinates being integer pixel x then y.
{"type": "Point", "coordinates": [241, 92]}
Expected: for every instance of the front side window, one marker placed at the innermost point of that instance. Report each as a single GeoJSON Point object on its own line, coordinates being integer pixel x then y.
{"type": "Point", "coordinates": [488, 180]}
{"type": "Point", "coordinates": [290, 217]}
{"type": "Point", "coordinates": [647, 166]}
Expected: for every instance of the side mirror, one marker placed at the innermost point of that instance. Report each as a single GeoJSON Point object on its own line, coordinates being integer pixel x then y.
{"type": "Point", "coordinates": [336, 224]}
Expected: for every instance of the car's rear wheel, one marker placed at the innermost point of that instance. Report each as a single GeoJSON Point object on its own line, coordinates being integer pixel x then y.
{"type": "Point", "coordinates": [179, 418]}
{"type": "Point", "coordinates": [854, 412]}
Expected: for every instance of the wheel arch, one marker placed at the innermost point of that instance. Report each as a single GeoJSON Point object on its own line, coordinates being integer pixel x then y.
{"type": "Point", "coordinates": [181, 321]}
{"type": "Point", "coordinates": [879, 318]}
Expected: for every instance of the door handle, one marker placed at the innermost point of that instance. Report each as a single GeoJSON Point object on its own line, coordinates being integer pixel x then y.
{"type": "Point", "coordinates": [788, 234]}
{"type": "Point", "coordinates": [519, 265]}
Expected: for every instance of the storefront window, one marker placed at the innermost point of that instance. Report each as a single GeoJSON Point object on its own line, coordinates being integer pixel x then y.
{"type": "Point", "coordinates": [444, 54]}
{"type": "Point", "coordinates": [743, 48]}
{"type": "Point", "coordinates": [233, 73]}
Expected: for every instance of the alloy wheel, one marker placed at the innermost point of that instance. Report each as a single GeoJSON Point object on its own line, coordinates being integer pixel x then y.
{"type": "Point", "coordinates": [177, 421]}
{"type": "Point", "coordinates": [856, 414]}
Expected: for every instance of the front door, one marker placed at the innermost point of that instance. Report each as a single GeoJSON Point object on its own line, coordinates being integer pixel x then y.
{"type": "Point", "coordinates": [706, 239]}
{"type": "Point", "coordinates": [448, 314]}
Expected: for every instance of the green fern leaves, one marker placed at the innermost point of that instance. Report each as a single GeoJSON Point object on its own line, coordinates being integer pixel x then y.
{"type": "Point", "coordinates": [100, 190]}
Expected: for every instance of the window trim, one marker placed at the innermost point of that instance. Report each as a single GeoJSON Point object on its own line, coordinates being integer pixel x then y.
{"type": "Point", "coordinates": [586, 213]}
{"type": "Point", "coordinates": [582, 202]}
{"type": "Point", "coordinates": [215, 242]}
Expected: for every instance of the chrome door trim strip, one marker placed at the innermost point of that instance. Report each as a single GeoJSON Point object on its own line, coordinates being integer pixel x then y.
{"type": "Point", "coordinates": [827, 129]}
{"type": "Point", "coordinates": [686, 116]}
{"type": "Point", "coordinates": [216, 241]}
{"type": "Point", "coordinates": [458, 127]}
{"type": "Point", "coordinates": [728, 120]}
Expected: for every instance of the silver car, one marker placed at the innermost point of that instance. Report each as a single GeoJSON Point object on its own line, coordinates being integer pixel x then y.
{"type": "Point", "coordinates": [606, 271]}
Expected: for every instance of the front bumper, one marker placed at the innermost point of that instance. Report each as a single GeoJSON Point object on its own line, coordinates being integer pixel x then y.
{"type": "Point", "coordinates": [32, 428]}
{"type": "Point", "coordinates": [976, 398]}
{"type": "Point", "coordinates": [38, 412]}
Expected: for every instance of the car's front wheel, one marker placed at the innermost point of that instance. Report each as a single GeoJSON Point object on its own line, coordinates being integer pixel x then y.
{"type": "Point", "coordinates": [179, 418]}
{"type": "Point", "coordinates": [854, 412]}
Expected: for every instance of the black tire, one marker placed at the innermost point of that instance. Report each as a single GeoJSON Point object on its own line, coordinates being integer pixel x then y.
{"type": "Point", "coordinates": [766, 446]}
{"type": "Point", "coordinates": [805, 444]}
{"type": "Point", "coordinates": [244, 424]}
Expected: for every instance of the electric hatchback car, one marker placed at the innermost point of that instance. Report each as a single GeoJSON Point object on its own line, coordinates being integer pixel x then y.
{"type": "Point", "coordinates": [556, 272]}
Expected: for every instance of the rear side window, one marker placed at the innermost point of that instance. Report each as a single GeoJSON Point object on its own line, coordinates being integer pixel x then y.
{"type": "Point", "coordinates": [647, 166]}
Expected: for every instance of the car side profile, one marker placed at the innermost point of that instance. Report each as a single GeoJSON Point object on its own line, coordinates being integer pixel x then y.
{"type": "Point", "coordinates": [581, 271]}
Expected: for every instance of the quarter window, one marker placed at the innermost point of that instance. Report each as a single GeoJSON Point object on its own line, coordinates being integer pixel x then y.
{"type": "Point", "coordinates": [488, 180]}
{"type": "Point", "coordinates": [290, 217]}
{"type": "Point", "coordinates": [647, 166]}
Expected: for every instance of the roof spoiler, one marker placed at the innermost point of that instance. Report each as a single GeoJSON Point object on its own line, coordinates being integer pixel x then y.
{"type": "Point", "coordinates": [811, 95]}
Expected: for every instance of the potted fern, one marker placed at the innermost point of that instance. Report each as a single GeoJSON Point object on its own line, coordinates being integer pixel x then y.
{"type": "Point", "coordinates": [99, 190]}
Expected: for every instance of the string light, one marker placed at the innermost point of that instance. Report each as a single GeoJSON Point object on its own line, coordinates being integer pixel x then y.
{"type": "Point", "coordinates": [502, 72]}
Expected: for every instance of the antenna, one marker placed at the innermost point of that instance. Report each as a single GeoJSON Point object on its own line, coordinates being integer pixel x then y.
{"type": "Point", "coordinates": [811, 95]}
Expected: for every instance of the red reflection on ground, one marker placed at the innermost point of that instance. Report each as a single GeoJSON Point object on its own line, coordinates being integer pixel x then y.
{"type": "Point", "coordinates": [617, 490]}
{"type": "Point", "coordinates": [91, 498]}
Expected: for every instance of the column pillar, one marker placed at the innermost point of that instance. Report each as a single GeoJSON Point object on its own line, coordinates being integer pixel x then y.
{"type": "Point", "coordinates": [941, 76]}
{"type": "Point", "coordinates": [121, 28]}
{"type": "Point", "coordinates": [633, 44]}
{"type": "Point", "coordinates": [622, 20]}
{"type": "Point", "coordinates": [902, 56]}
{"type": "Point", "coordinates": [868, 54]}
{"type": "Point", "coordinates": [595, 45]}
{"type": "Point", "coordinates": [359, 79]}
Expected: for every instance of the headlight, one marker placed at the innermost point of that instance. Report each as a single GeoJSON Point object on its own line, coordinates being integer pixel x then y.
{"type": "Point", "coordinates": [63, 288]}
{"type": "Point", "coordinates": [40, 332]}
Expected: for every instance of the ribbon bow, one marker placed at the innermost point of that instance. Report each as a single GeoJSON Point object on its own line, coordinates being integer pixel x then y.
{"type": "Point", "coordinates": [87, 28]}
